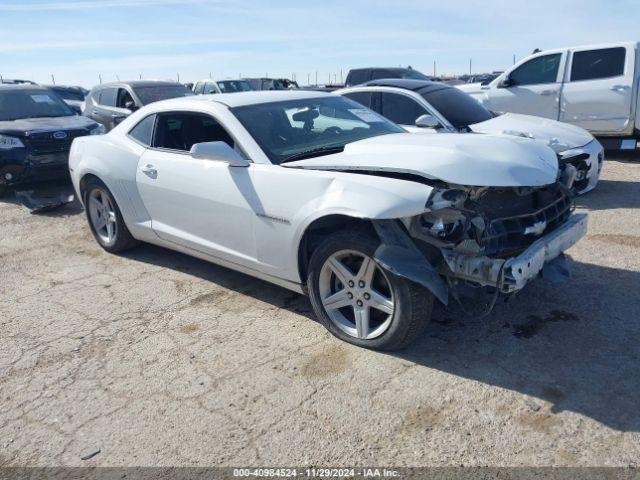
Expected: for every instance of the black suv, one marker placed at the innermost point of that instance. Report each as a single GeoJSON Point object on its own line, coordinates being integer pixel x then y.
{"type": "Point", "coordinates": [356, 76]}
{"type": "Point", "coordinates": [111, 103]}
{"type": "Point", "coordinates": [36, 131]}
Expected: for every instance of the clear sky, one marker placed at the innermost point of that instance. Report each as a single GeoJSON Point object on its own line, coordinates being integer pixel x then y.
{"type": "Point", "coordinates": [76, 40]}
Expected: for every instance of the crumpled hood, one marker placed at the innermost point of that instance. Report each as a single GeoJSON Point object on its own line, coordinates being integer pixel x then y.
{"type": "Point", "coordinates": [462, 159]}
{"type": "Point", "coordinates": [21, 127]}
{"type": "Point", "coordinates": [559, 136]}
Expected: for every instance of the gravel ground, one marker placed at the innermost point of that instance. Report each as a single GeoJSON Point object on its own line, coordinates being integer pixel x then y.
{"type": "Point", "coordinates": [155, 358]}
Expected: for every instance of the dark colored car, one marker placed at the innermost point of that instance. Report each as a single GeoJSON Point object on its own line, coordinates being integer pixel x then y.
{"type": "Point", "coordinates": [36, 131]}
{"type": "Point", "coordinates": [264, 83]}
{"type": "Point", "coordinates": [111, 103]}
{"type": "Point", "coordinates": [357, 76]}
{"type": "Point", "coordinates": [72, 96]}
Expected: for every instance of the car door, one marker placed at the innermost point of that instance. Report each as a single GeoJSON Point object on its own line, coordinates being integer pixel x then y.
{"type": "Point", "coordinates": [533, 88]}
{"type": "Point", "coordinates": [200, 204]}
{"type": "Point", "coordinates": [107, 111]}
{"type": "Point", "coordinates": [598, 92]}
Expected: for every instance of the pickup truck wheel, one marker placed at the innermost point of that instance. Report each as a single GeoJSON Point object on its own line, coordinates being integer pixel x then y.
{"type": "Point", "coordinates": [360, 302]}
{"type": "Point", "coordinates": [105, 219]}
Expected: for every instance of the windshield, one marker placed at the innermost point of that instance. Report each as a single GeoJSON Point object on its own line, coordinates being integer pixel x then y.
{"type": "Point", "coordinates": [155, 93]}
{"type": "Point", "coordinates": [232, 86]}
{"type": "Point", "coordinates": [31, 103]}
{"type": "Point", "coordinates": [282, 84]}
{"type": "Point", "coordinates": [290, 130]}
{"type": "Point", "coordinates": [69, 93]}
{"type": "Point", "coordinates": [459, 108]}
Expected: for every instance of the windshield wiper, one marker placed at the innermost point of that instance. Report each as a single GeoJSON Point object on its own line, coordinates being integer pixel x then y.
{"type": "Point", "coordinates": [314, 152]}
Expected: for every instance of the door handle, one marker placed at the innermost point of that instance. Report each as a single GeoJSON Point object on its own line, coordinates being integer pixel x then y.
{"type": "Point", "coordinates": [548, 92]}
{"type": "Point", "coordinates": [619, 88]}
{"type": "Point", "coordinates": [95, 112]}
{"type": "Point", "coordinates": [149, 170]}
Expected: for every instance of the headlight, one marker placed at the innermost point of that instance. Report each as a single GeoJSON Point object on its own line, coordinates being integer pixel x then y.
{"type": "Point", "coordinates": [98, 130]}
{"type": "Point", "coordinates": [7, 143]}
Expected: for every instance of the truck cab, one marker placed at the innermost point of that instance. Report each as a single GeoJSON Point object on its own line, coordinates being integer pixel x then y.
{"type": "Point", "coordinates": [593, 87]}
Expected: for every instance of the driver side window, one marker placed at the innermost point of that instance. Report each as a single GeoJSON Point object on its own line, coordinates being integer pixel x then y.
{"type": "Point", "coordinates": [181, 130]}
{"type": "Point", "coordinates": [537, 71]}
{"type": "Point", "coordinates": [124, 98]}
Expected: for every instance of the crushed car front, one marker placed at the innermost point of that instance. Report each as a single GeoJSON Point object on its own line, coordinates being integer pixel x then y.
{"type": "Point", "coordinates": [497, 216]}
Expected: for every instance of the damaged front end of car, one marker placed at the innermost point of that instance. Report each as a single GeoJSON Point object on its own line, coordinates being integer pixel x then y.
{"type": "Point", "coordinates": [493, 237]}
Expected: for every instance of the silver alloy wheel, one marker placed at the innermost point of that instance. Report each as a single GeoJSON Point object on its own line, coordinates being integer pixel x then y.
{"type": "Point", "coordinates": [356, 294]}
{"type": "Point", "coordinates": [103, 215]}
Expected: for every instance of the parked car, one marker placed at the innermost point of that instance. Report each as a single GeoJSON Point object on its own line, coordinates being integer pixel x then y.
{"type": "Point", "coordinates": [16, 81]}
{"type": "Point", "coordinates": [110, 103]}
{"type": "Point", "coordinates": [204, 87]}
{"type": "Point", "coordinates": [593, 87]}
{"type": "Point", "coordinates": [72, 96]}
{"type": "Point", "coordinates": [422, 106]}
{"type": "Point", "coordinates": [36, 131]}
{"type": "Point", "coordinates": [264, 83]}
{"type": "Point", "coordinates": [318, 194]}
{"type": "Point", "coordinates": [357, 76]}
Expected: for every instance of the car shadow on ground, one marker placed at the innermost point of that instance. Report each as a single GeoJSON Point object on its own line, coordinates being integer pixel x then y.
{"type": "Point", "coordinates": [224, 277]}
{"type": "Point", "coordinates": [574, 346]}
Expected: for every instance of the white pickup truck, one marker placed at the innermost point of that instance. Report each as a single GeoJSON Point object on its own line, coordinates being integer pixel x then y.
{"type": "Point", "coordinates": [594, 87]}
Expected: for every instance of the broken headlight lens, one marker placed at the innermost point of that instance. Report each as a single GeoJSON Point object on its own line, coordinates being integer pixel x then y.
{"type": "Point", "coordinates": [8, 143]}
{"type": "Point", "coordinates": [447, 224]}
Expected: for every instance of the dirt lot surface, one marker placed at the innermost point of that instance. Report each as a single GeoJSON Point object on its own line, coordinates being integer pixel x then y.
{"type": "Point", "coordinates": [155, 358]}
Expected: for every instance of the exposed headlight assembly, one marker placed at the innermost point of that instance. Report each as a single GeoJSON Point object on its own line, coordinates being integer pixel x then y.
{"type": "Point", "coordinates": [8, 143]}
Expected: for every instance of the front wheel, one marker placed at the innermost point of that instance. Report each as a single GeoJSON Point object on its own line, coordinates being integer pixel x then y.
{"type": "Point", "coordinates": [360, 302]}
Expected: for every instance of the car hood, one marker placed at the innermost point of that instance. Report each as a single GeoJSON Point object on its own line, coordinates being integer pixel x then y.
{"type": "Point", "coordinates": [559, 136]}
{"type": "Point", "coordinates": [31, 125]}
{"type": "Point", "coordinates": [462, 159]}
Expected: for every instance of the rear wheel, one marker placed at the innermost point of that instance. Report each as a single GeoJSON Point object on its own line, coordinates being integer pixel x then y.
{"type": "Point", "coordinates": [360, 302]}
{"type": "Point", "coordinates": [105, 219]}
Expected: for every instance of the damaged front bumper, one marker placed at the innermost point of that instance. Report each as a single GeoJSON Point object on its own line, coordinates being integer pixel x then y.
{"type": "Point", "coordinates": [511, 274]}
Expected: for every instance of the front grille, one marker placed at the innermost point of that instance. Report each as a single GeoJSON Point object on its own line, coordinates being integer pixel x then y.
{"type": "Point", "coordinates": [46, 143]}
{"type": "Point", "coordinates": [541, 212]}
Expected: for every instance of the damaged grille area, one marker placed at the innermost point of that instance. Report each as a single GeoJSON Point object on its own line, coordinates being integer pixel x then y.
{"type": "Point", "coordinates": [582, 168]}
{"type": "Point", "coordinates": [514, 221]}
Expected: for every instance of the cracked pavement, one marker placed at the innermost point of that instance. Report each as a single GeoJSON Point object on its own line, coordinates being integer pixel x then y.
{"type": "Point", "coordinates": [159, 359]}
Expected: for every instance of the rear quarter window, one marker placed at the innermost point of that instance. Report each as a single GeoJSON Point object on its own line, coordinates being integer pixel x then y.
{"type": "Point", "coordinates": [143, 131]}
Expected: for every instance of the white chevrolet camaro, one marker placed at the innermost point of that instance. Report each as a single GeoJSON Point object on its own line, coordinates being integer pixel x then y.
{"type": "Point", "coordinates": [320, 195]}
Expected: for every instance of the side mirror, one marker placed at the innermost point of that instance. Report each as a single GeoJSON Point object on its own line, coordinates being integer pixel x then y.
{"type": "Point", "coordinates": [427, 121]}
{"type": "Point", "coordinates": [219, 152]}
{"type": "Point", "coordinates": [505, 82]}
{"type": "Point", "coordinates": [130, 105]}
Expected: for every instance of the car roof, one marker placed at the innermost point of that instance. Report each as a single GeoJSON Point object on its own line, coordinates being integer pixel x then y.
{"type": "Point", "coordinates": [138, 83]}
{"type": "Point", "coordinates": [241, 99]}
{"type": "Point", "coordinates": [21, 86]}
{"type": "Point", "coordinates": [419, 86]}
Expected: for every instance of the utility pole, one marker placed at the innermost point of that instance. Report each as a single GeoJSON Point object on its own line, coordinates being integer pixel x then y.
{"type": "Point", "coordinates": [100, 78]}
{"type": "Point", "coordinates": [140, 75]}
{"type": "Point", "coordinates": [341, 77]}
{"type": "Point", "coordinates": [53, 79]}
{"type": "Point", "coordinates": [308, 79]}
{"type": "Point", "coordinates": [434, 69]}
{"type": "Point", "coordinates": [469, 66]}
{"type": "Point", "coordinates": [178, 74]}
{"type": "Point", "coordinates": [316, 77]}
{"type": "Point", "coordinates": [514, 58]}
{"type": "Point", "coordinates": [117, 77]}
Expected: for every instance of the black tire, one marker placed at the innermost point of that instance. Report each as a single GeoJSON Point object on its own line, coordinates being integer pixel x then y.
{"type": "Point", "coordinates": [123, 238]}
{"type": "Point", "coordinates": [414, 303]}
